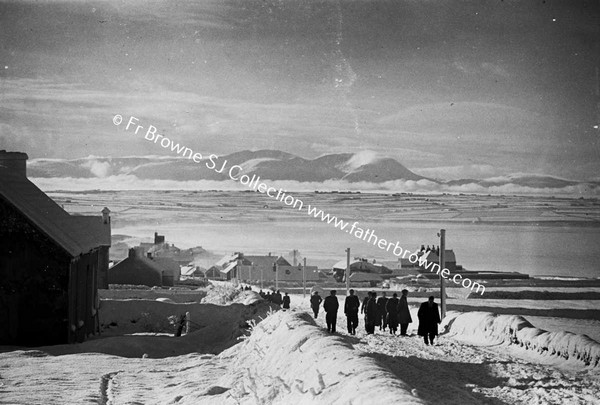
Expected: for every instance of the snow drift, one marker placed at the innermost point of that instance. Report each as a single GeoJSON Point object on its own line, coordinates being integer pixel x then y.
{"type": "Point", "coordinates": [136, 328]}
{"type": "Point", "coordinates": [490, 328]}
{"type": "Point", "coordinates": [288, 359]}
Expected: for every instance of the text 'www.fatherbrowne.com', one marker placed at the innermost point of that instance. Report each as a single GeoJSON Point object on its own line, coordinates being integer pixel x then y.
{"type": "Point", "coordinates": [253, 182]}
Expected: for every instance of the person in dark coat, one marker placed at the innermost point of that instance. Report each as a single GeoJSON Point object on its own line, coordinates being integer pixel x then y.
{"type": "Point", "coordinates": [331, 305]}
{"type": "Point", "coordinates": [277, 299]}
{"type": "Point", "coordinates": [371, 313]}
{"type": "Point", "coordinates": [392, 313]}
{"type": "Point", "coordinates": [404, 317]}
{"type": "Point", "coordinates": [315, 301]}
{"type": "Point", "coordinates": [364, 303]}
{"type": "Point", "coordinates": [429, 317]}
{"type": "Point", "coordinates": [351, 306]}
{"type": "Point", "coordinates": [381, 312]}
{"type": "Point", "coordinates": [286, 301]}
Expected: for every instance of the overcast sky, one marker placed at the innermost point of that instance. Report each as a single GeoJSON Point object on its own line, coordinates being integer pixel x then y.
{"type": "Point", "coordinates": [463, 88]}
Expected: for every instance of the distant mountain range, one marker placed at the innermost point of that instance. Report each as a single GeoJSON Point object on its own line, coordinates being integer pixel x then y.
{"type": "Point", "coordinates": [273, 165]}
{"type": "Point", "coordinates": [268, 164]}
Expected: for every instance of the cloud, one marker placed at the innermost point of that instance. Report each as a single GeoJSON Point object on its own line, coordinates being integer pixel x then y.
{"type": "Point", "coordinates": [98, 169]}
{"type": "Point", "coordinates": [480, 68]}
{"type": "Point", "coordinates": [131, 182]}
{"type": "Point", "coordinates": [473, 171]}
{"type": "Point", "coordinates": [361, 158]}
{"type": "Point", "coordinates": [475, 120]}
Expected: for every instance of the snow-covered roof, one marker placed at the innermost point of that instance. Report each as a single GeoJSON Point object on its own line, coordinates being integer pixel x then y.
{"type": "Point", "coordinates": [75, 234]}
{"type": "Point", "coordinates": [188, 270]}
{"type": "Point", "coordinates": [230, 267]}
{"type": "Point", "coordinates": [227, 259]}
{"type": "Point", "coordinates": [357, 277]}
{"type": "Point", "coordinates": [341, 265]}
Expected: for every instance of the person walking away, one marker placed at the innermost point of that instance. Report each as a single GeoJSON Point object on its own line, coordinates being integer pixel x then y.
{"type": "Point", "coordinates": [277, 298]}
{"type": "Point", "coordinates": [381, 304]}
{"type": "Point", "coordinates": [331, 305]}
{"type": "Point", "coordinates": [392, 313]}
{"type": "Point", "coordinates": [363, 310]}
{"type": "Point", "coordinates": [364, 303]}
{"type": "Point", "coordinates": [315, 301]}
{"type": "Point", "coordinates": [351, 305]}
{"type": "Point", "coordinates": [286, 301]}
{"type": "Point", "coordinates": [429, 317]}
{"type": "Point", "coordinates": [371, 314]}
{"type": "Point", "coordinates": [404, 317]}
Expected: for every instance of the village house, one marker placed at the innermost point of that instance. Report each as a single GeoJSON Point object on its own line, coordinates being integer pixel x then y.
{"type": "Point", "coordinates": [51, 263]}
{"type": "Point", "coordinates": [140, 269]}
{"type": "Point", "coordinates": [432, 255]}
{"type": "Point", "coordinates": [266, 268]}
{"type": "Point", "coordinates": [358, 265]}
{"type": "Point", "coordinates": [160, 248]}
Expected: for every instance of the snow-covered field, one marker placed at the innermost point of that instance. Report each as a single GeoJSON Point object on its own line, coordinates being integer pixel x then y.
{"type": "Point", "coordinates": [289, 358]}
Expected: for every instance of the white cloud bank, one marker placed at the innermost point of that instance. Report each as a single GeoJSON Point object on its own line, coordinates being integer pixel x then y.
{"type": "Point", "coordinates": [130, 182]}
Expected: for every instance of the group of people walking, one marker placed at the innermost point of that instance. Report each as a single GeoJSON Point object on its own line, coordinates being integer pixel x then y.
{"type": "Point", "coordinates": [276, 298]}
{"type": "Point", "coordinates": [386, 313]}
{"type": "Point", "coordinates": [382, 312]}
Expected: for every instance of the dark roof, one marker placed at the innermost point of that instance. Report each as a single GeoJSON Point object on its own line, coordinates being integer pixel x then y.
{"type": "Point", "coordinates": [167, 263]}
{"type": "Point", "coordinates": [431, 256]}
{"type": "Point", "coordinates": [266, 261]}
{"type": "Point", "coordinates": [361, 265]}
{"type": "Point", "coordinates": [136, 269]}
{"type": "Point", "coordinates": [75, 234]}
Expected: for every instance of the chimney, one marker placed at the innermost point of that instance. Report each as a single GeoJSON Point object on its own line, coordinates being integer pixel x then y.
{"type": "Point", "coordinates": [14, 162]}
{"type": "Point", "coordinates": [105, 216]}
{"type": "Point", "coordinates": [132, 253]}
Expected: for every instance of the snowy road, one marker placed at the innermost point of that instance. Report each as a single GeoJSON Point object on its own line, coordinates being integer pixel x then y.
{"type": "Point", "coordinates": [458, 372]}
{"type": "Point", "coordinates": [288, 360]}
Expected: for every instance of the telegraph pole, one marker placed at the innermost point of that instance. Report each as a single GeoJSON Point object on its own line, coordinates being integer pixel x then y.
{"type": "Point", "coordinates": [442, 266]}
{"type": "Point", "coordinates": [261, 276]}
{"type": "Point", "coordinates": [304, 279]}
{"type": "Point", "coordinates": [347, 270]}
{"type": "Point", "coordinates": [276, 277]}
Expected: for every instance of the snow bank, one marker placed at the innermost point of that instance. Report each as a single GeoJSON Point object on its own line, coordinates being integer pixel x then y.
{"type": "Point", "coordinates": [536, 295]}
{"type": "Point", "coordinates": [222, 294]}
{"type": "Point", "coordinates": [136, 328]}
{"type": "Point", "coordinates": [486, 327]}
{"type": "Point", "coordinates": [177, 295]}
{"type": "Point", "coordinates": [289, 360]}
